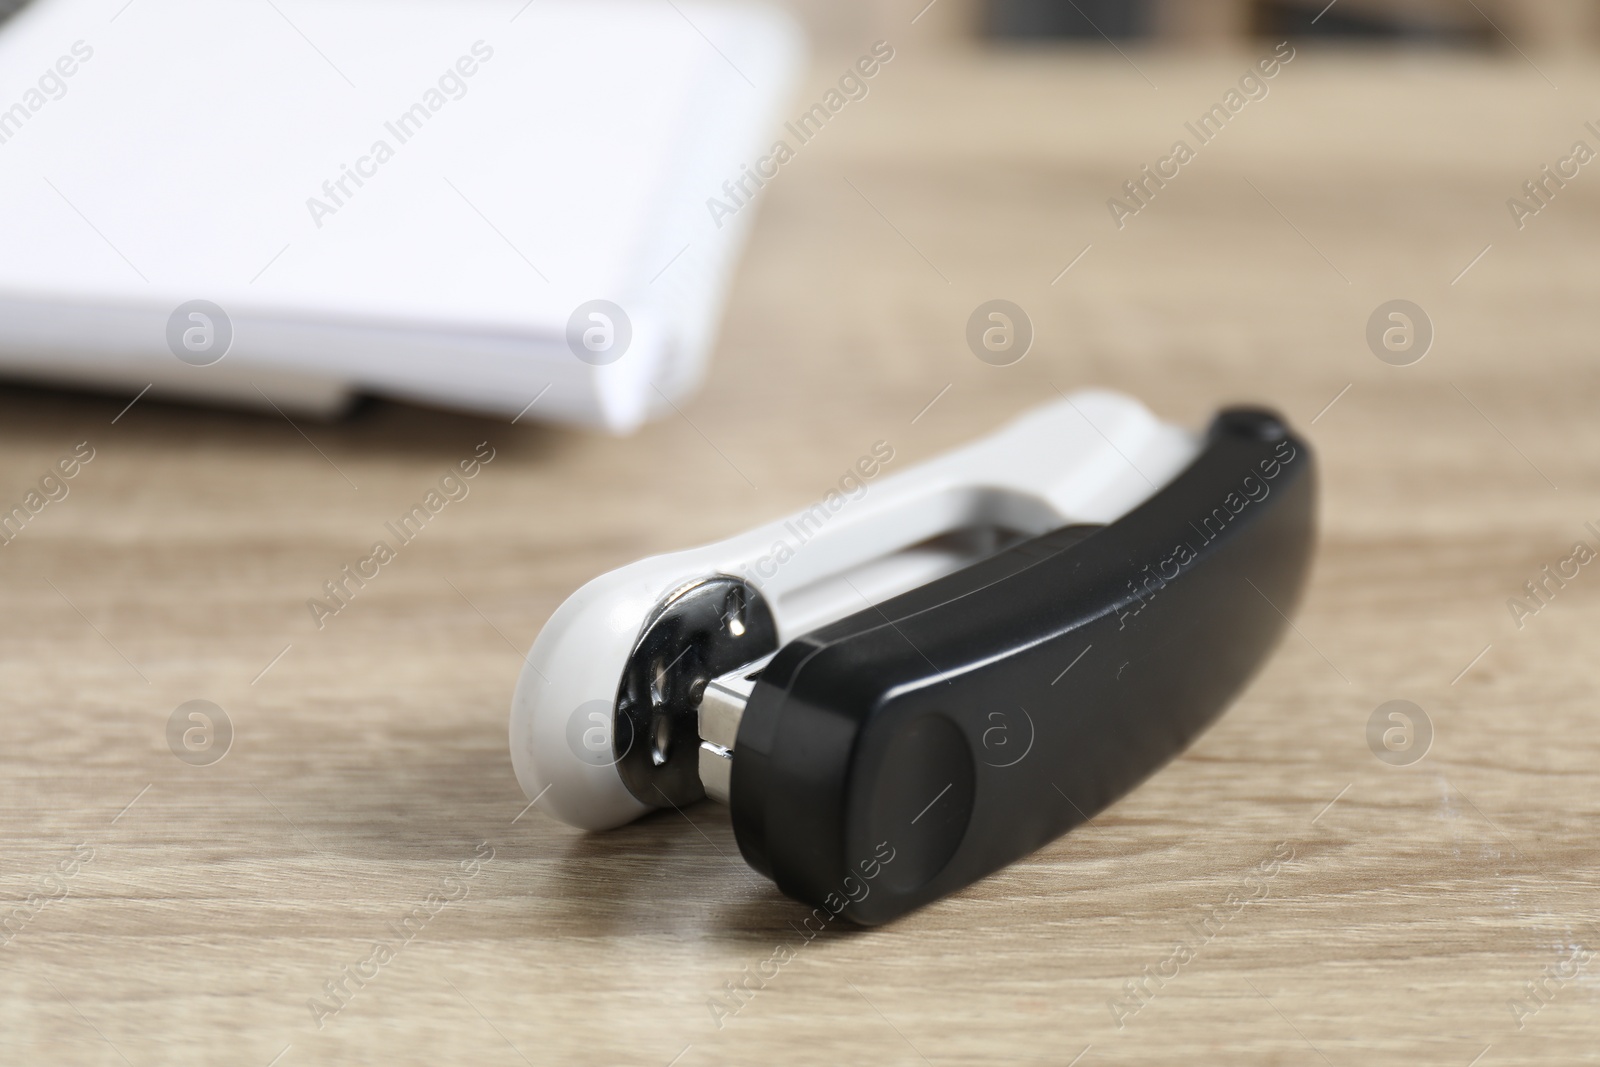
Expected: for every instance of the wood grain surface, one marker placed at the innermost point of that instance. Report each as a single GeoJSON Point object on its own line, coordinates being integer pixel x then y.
{"type": "Point", "coordinates": [178, 914]}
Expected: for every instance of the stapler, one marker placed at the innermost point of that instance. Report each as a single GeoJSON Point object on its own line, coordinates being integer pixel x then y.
{"type": "Point", "coordinates": [939, 670]}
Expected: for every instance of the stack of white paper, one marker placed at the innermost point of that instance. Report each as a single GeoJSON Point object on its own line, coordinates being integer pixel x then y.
{"type": "Point", "coordinates": [406, 198]}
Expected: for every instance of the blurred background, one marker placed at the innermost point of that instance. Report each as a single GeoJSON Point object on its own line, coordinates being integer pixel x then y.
{"type": "Point", "coordinates": [1482, 24]}
{"type": "Point", "coordinates": [1543, 24]}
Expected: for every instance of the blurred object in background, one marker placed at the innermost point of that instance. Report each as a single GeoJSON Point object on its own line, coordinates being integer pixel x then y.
{"type": "Point", "coordinates": [1421, 22]}
{"type": "Point", "coordinates": [1062, 18]}
{"type": "Point", "coordinates": [294, 236]}
{"type": "Point", "coordinates": [1534, 25]}
{"type": "Point", "coordinates": [1546, 25]}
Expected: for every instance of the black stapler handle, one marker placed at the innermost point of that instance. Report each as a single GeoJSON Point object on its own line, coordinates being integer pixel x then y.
{"type": "Point", "coordinates": [913, 747]}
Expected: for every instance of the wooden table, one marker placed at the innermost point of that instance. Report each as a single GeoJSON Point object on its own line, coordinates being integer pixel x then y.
{"type": "Point", "coordinates": [197, 911]}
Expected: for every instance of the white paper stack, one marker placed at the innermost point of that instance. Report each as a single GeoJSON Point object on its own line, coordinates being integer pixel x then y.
{"type": "Point", "coordinates": [396, 197]}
